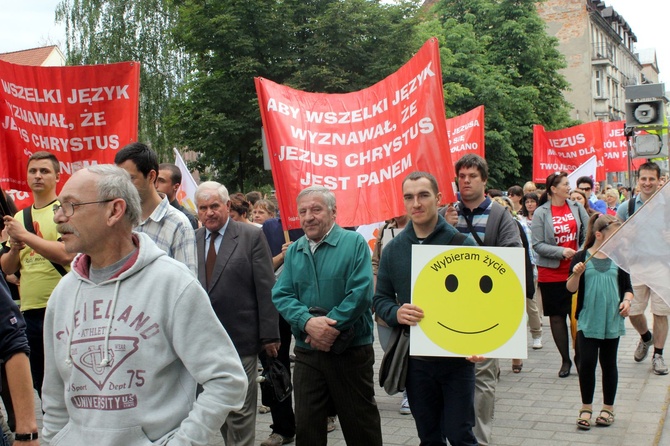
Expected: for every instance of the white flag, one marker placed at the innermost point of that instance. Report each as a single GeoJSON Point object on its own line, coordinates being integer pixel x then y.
{"type": "Point", "coordinates": [186, 192]}
{"type": "Point", "coordinates": [588, 169]}
{"type": "Point", "coordinates": [641, 246]}
{"type": "Point", "coordinates": [369, 233]}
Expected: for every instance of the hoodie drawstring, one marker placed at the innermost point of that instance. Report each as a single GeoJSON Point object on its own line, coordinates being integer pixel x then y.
{"type": "Point", "coordinates": [106, 359]}
{"type": "Point", "coordinates": [115, 298]}
{"type": "Point", "coordinates": [70, 335]}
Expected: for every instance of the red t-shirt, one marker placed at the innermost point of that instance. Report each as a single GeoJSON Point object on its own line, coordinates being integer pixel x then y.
{"type": "Point", "coordinates": [565, 233]}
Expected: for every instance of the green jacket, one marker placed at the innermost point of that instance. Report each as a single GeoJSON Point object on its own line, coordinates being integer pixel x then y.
{"type": "Point", "coordinates": [337, 278]}
{"type": "Point", "coordinates": [394, 281]}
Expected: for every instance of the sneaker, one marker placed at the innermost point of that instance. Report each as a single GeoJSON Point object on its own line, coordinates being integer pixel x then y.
{"type": "Point", "coordinates": [331, 424]}
{"type": "Point", "coordinates": [404, 407]}
{"type": "Point", "coordinates": [642, 349]}
{"type": "Point", "coordinates": [263, 409]}
{"type": "Point", "coordinates": [277, 440]}
{"type": "Point", "coordinates": [659, 366]}
{"type": "Point", "coordinates": [537, 343]}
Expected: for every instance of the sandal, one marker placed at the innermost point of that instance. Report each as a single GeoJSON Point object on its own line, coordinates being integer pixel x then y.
{"type": "Point", "coordinates": [584, 423]}
{"type": "Point", "coordinates": [516, 368]}
{"type": "Point", "coordinates": [606, 420]}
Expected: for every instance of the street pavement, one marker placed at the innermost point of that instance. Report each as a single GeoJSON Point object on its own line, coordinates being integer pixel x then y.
{"type": "Point", "coordinates": [536, 407]}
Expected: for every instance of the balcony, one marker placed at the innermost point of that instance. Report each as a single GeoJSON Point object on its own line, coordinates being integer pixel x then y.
{"type": "Point", "coordinates": [602, 54]}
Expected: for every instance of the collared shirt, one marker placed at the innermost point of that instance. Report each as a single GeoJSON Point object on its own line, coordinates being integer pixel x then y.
{"type": "Point", "coordinates": [622, 210]}
{"type": "Point", "coordinates": [217, 241]}
{"type": "Point", "coordinates": [172, 232]}
{"type": "Point", "coordinates": [313, 245]}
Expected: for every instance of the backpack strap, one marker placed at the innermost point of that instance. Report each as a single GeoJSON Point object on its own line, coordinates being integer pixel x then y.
{"type": "Point", "coordinates": [631, 206]}
{"type": "Point", "coordinates": [30, 227]}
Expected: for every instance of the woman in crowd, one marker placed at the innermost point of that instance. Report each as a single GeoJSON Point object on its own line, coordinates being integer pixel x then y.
{"type": "Point", "coordinates": [528, 207]}
{"type": "Point", "coordinates": [580, 197]}
{"type": "Point", "coordinates": [612, 199]}
{"type": "Point", "coordinates": [605, 294]}
{"type": "Point", "coordinates": [263, 210]}
{"type": "Point", "coordinates": [558, 230]}
{"type": "Point", "coordinates": [239, 209]}
{"type": "Point", "coordinates": [529, 187]}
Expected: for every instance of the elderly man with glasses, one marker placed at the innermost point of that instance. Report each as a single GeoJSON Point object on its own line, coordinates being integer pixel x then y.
{"type": "Point", "coordinates": [129, 331]}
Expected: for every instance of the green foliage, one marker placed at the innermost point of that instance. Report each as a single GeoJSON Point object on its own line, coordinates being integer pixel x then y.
{"type": "Point", "coordinates": [107, 31]}
{"type": "Point", "coordinates": [497, 53]}
{"type": "Point", "coordinates": [199, 58]}
{"type": "Point", "coordinates": [314, 45]}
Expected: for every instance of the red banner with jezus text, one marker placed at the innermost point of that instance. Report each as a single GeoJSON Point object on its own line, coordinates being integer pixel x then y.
{"type": "Point", "coordinates": [81, 114]}
{"type": "Point", "coordinates": [361, 145]}
{"type": "Point", "coordinates": [466, 134]}
{"type": "Point", "coordinates": [616, 148]}
{"type": "Point", "coordinates": [566, 149]}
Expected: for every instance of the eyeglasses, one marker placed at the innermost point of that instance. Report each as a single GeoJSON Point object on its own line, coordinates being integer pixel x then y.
{"type": "Point", "coordinates": [585, 189]}
{"type": "Point", "coordinates": [68, 207]}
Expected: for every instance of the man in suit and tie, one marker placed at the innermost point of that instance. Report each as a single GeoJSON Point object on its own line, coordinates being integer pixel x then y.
{"type": "Point", "coordinates": [235, 267]}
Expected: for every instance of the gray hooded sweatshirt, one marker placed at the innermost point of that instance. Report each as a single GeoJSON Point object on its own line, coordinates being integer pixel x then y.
{"type": "Point", "coordinates": [122, 357]}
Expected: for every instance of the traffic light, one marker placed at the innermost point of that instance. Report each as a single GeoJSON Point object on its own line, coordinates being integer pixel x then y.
{"type": "Point", "coordinates": [645, 113]}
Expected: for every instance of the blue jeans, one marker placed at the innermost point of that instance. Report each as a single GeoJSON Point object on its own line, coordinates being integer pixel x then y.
{"type": "Point", "coordinates": [441, 393]}
{"type": "Point", "coordinates": [3, 440]}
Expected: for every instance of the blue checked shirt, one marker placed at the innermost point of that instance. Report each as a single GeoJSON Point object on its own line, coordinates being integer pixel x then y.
{"type": "Point", "coordinates": [172, 232]}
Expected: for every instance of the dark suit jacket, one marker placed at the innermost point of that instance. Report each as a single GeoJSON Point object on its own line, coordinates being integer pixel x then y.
{"type": "Point", "coordinates": [241, 288]}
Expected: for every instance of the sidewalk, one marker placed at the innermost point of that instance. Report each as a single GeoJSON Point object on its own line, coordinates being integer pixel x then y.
{"type": "Point", "coordinates": [536, 407]}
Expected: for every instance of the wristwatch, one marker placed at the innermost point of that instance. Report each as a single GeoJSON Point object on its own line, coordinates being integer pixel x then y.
{"type": "Point", "coordinates": [26, 437]}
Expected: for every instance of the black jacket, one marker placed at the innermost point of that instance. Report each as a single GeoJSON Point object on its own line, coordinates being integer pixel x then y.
{"type": "Point", "coordinates": [12, 326]}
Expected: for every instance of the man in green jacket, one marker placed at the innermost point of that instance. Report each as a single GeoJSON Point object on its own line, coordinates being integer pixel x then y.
{"type": "Point", "coordinates": [325, 294]}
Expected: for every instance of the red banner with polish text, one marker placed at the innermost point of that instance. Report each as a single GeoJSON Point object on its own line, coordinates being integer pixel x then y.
{"type": "Point", "coordinates": [466, 134]}
{"type": "Point", "coordinates": [566, 149]}
{"type": "Point", "coordinates": [361, 145]}
{"type": "Point", "coordinates": [82, 114]}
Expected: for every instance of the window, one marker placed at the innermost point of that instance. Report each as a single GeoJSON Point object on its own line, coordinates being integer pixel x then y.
{"type": "Point", "coordinates": [599, 83]}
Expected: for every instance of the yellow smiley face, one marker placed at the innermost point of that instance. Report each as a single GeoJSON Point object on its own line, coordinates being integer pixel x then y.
{"type": "Point", "coordinates": [473, 302]}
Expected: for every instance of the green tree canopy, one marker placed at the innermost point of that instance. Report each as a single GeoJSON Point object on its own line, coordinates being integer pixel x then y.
{"type": "Point", "coordinates": [497, 53]}
{"type": "Point", "coordinates": [314, 45]}
{"type": "Point", "coordinates": [107, 31]}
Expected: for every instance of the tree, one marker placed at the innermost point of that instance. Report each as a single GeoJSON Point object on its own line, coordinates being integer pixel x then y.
{"type": "Point", "coordinates": [497, 53]}
{"type": "Point", "coordinates": [314, 45]}
{"type": "Point", "coordinates": [107, 31]}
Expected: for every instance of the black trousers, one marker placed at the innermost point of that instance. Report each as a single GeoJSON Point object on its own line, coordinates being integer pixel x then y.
{"type": "Point", "coordinates": [283, 418]}
{"type": "Point", "coordinates": [35, 334]}
{"type": "Point", "coordinates": [590, 350]}
{"type": "Point", "coordinates": [345, 381]}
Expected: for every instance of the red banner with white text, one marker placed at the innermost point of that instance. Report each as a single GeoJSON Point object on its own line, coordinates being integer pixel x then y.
{"type": "Point", "coordinates": [81, 114]}
{"type": "Point", "coordinates": [566, 149]}
{"type": "Point", "coordinates": [616, 148]}
{"type": "Point", "coordinates": [361, 145]}
{"type": "Point", "coordinates": [466, 134]}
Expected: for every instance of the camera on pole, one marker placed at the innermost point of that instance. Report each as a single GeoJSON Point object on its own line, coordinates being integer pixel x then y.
{"type": "Point", "coordinates": [645, 116]}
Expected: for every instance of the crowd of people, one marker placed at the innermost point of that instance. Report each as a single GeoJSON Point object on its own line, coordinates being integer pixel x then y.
{"type": "Point", "coordinates": [142, 322]}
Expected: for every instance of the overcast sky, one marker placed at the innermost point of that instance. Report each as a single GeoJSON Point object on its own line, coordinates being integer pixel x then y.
{"type": "Point", "coordinates": [30, 23]}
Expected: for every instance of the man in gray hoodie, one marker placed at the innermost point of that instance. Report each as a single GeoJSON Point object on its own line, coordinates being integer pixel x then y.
{"type": "Point", "coordinates": [129, 332]}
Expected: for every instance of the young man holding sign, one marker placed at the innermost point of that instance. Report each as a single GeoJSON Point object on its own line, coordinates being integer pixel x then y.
{"type": "Point", "coordinates": [440, 389]}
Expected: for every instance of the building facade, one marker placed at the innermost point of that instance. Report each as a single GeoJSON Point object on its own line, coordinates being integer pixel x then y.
{"type": "Point", "coordinates": [599, 47]}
